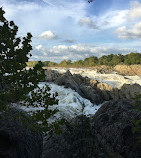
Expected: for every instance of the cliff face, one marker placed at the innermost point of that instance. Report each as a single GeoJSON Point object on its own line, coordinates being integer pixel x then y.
{"type": "Point", "coordinates": [107, 134]}
{"type": "Point", "coordinates": [128, 70]}
{"type": "Point", "coordinates": [18, 137]}
{"type": "Point", "coordinates": [94, 90]}
{"type": "Point", "coordinates": [112, 129]}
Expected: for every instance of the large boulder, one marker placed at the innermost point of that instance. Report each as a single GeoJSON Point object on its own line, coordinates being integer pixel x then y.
{"type": "Point", "coordinates": [68, 81]}
{"type": "Point", "coordinates": [112, 129]}
{"type": "Point", "coordinates": [93, 94]}
{"type": "Point", "coordinates": [130, 91]}
{"type": "Point", "coordinates": [51, 75]}
{"type": "Point", "coordinates": [18, 137]}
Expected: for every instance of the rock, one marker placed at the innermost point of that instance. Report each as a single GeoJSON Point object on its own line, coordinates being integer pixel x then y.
{"type": "Point", "coordinates": [51, 75]}
{"type": "Point", "coordinates": [94, 90]}
{"type": "Point", "coordinates": [81, 86]}
{"type": "Point", "coordinates": [17, 138]}
{"type": "Point", "coordinates": [54, 147]}
{"type": "Point", "coordinates": [130, 91]}
{"type": "Point", "coordinates": [75, 141]}
{"type": "Point", "coordinates": [128, 69]}
{"type": "Point", "coordinates": [107, 134]}
{"type": "Point", "coordinates": [68, 81]}
{"type": "Point", "coordinates": [92, 94]}
{"type": "Point", "coordinates": [112, 125]}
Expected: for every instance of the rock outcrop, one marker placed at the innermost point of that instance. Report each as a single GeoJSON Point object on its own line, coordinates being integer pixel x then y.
{"type": "Point", "coordinates": [107, 134]}
{"type": "Point", "coordinates": [51, 75]}
{"type": "Point", "coordinates": [18, 137]}
{"type": "Point", "coordinates": [68, 81]}
{"type": "Point", "coordinates": [94, 90]}
{"type": "Point", "coordinates": [112, 129]}
{"type": "Point", "coordinates": [128, 69]}
{"type": "Point", "coordinates": [75, 141]}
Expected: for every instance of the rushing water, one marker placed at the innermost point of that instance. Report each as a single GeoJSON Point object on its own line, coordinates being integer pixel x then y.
{"type": "Point", "coordinates": [70, 103]}
{"type": "Point", "coordinates": [113, 79]}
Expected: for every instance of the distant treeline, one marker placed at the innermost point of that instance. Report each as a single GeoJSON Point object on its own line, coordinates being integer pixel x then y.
{"type": "Point", "coordinates": [110, 60]}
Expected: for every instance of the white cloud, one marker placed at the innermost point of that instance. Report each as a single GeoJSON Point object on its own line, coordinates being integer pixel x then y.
{"type": "Point", "coordinates": [108, 20]}
{"type": "Point", "coordinates": [39, 47]}
{"type": "Point", "coordinates": [53, 15]}
{"type": "Point", "coordinates": [133, 33]}
{"type": "Point", "coordinates": [62, 17]}
{"type": "Point", "coordinates": [88, 22]}
{"type": "Point", "coordinates": [135, 10]}
{"type": "Point", "coordinates": [113, 18]}
{"type": "Point", "coordinates": [75, 52]}
{"type": "Point", "coordinates": [132, 26]}
{"type": "Point", "coordinates": [47, 35]}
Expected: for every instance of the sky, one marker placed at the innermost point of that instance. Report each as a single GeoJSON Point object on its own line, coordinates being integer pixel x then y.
{"type": "Point", "coordinates": [75, 29]}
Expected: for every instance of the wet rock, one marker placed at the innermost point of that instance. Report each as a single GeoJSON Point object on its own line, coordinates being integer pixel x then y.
{"type": "Point", "coordinates": [94, 90]}
{"type": "Point", "coordinates": [92, 94]}
{"type": "Point", "coordinates": [68, 81]}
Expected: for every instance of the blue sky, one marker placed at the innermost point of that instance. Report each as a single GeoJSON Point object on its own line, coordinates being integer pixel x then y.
{"type": "Point", "coordinates": [76, 29]}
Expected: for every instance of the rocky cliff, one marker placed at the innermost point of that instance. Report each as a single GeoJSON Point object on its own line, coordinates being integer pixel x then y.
{"type": "Point", "coordinates": [112, 129]}
{"type": "Point", "coordinates": [107, 134]}
{"type": "Point", "coordinates": [128, 69]}
{"type": "Point", "coordinates": [94, 90]}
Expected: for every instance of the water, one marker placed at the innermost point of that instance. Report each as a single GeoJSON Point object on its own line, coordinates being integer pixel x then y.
{"type": "Point", "coordinates": [113, 79]}
{"type": "Point", "coordinates": [70, 103]}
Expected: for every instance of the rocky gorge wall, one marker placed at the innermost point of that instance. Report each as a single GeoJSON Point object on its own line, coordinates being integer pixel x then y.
{"type": "Point", "coordinates": [94, 90]}
{"type": "Point", "coordinates": [128, 69]}
{"type": "Point", "coordinates": [107, 134]}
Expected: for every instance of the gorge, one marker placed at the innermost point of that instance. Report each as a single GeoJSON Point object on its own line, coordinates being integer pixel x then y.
{"type": "Point", "coordinates": [106, 134]}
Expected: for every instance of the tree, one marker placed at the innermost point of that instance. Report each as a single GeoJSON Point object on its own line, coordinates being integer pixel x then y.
{"type": "Point", "coordinates": [15, 81]}
{"type": "Point", "coordinates": [32, 63]}
{"type": "Point", "coordinates": [69, 62]}
{"type": "Point", "coordinates": [103, 60]}
{"type": "Point", "coordinates": [63, 63]}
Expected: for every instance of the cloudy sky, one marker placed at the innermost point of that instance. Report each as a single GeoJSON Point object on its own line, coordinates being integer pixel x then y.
{"type": "Point", "coordinates": [76, 29]}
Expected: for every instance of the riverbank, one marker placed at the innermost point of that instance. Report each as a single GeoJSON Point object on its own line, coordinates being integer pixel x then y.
{"type": "Point", "coordinates": [130, 70]}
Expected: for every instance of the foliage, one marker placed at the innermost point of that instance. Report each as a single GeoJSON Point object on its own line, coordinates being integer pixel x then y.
{"type": "Point", "coordinates": [110, 60]}
{"type": "Point", "coordinates": [32, 63]}
{"type": "Point", "coordinates": [15, 81]}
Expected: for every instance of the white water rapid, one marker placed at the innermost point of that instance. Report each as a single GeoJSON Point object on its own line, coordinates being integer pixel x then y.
{"type": "Point", "coordinates": [113, 79]}
{"type": "Point", "coordinates": [70, 103]}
